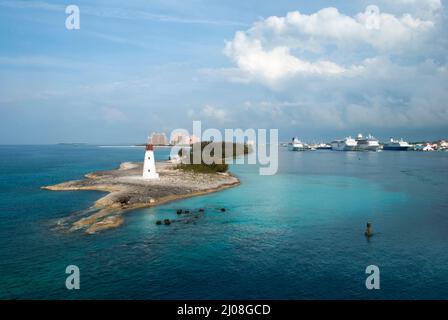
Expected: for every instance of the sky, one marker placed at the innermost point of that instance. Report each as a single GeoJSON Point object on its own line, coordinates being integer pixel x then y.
{"type": "Point", "coordinates": [318, 70]}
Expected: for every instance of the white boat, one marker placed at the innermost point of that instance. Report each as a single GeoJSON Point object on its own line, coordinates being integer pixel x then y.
{"type": "Point", "coordinates": [368, 143]}
{"type": "Point", "coordinates": [443, 145]}
{"type": "Point", "coordinates": [348, 144]}
{"type": "Point", "coordinates": [323, 146]}
{"type": "Point", "coordinates": [425, 148]}
{"type": "Point", "coordinates": [397, 145]}
{"type": "Point", "coordinates": [296, 145]}
{"type": "Point", "coordinates": [428, 147]}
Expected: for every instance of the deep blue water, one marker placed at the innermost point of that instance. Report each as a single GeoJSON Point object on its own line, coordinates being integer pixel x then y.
{"type": "Point", "coordinates": [295, 235]}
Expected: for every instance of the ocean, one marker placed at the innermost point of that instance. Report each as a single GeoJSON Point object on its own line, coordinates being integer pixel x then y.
{"type": "Point", "coordinates": [296, 235]}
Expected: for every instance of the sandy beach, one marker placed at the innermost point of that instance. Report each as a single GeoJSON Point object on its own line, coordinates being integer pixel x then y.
{"type": "Point", "coordinates": [127, 190]}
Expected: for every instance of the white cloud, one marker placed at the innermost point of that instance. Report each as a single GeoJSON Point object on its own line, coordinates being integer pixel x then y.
{"type": "Point", "coordinates": [278, 48]}
{"type": "Point", "coordinates": [214, 113]}
{"type": "Point", "coordinates": [420, 8]}
{"type": "Point", "coordinates": [274, 64]}
{"type": "Point", "coordinates": [330, 70]}
{"type": "Point", "coordinates": [209, 112]}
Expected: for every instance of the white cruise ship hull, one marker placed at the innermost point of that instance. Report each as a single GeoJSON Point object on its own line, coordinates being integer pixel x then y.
{"type": "Point", "coordinates": [342, 146]}
{"type": "Point", "coordinates": [296, 147]}
{"type": "Point", "coordinates": [367, 147]}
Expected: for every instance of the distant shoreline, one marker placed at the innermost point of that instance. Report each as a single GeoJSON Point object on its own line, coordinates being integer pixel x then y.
{"type": "Point", "coordinates": [143, 146]}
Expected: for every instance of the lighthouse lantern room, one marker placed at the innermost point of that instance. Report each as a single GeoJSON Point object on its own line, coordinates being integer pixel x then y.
{"type": "Point", "coordinates": [149, 165]}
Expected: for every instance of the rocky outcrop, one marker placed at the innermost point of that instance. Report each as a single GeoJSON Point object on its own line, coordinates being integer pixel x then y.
{"type": "Point", "coordinates": [127, 190]}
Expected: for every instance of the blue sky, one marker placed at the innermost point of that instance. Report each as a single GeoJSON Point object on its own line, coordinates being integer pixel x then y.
{"type": "Point", "coordinates": [309, 68]}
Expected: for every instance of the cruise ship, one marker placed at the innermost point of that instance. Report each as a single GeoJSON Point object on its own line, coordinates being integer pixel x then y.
{"type": "Point", "coordinates": [323, 146]}
{"type": "Point", "coordinates": [348, 144]}
{"type": "Point", "coordinates": [397, 145]}
{"type": "Point", "coordinates": [368, 143]}
{"type": "Point", "coordinates": [296, 145]}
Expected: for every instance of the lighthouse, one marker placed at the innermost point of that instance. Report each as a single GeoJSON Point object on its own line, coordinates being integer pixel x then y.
{"type": "Point", "coordinates": [149, 165]}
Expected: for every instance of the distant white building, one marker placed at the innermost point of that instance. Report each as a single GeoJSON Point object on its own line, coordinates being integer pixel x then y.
{"type": "Point", "coordinates": [183, 139]}
{"type": "Point", "coordinates": [427, 147]}
{"type": "Point", "coordinates": [158, 139]}
{"type": "Point", "coordinates": [177, 138]}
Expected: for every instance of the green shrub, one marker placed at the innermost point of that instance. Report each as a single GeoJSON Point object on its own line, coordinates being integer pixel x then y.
{"type": "Point", "coordinates": [205, 168]}
{"type": "Point", "coordinates": [214, 167]}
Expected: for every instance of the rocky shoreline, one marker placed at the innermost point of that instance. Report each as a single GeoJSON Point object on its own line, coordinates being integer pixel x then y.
{"type": "Point", "coordinates": [127, 190]}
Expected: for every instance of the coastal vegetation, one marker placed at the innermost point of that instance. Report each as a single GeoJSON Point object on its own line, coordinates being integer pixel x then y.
{"type": "Point", "coordinates": [217, 152]}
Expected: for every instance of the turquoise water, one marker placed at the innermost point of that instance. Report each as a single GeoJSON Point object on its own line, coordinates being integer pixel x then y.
{"type": "Point", "coordinates": [295, 235]}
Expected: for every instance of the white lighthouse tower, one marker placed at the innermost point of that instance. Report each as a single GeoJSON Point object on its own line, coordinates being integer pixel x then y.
{"type": "Point", "coordinates": [149, 165]}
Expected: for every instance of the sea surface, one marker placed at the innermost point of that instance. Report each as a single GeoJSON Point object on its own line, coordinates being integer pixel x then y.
{"type": "Point", "coordinates": [296, 235]}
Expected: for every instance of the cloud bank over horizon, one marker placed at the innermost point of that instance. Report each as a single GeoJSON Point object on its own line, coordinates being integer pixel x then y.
{"type": "Point", "coordinates": [318, 70]}
{"type": "Point", "coordinates": [343, 71]}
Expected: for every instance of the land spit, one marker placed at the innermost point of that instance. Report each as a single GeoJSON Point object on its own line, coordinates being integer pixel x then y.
{"type": "Point", "coordinates": [127, 190]}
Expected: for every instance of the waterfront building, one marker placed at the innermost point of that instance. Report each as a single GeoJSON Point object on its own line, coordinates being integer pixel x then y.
{"type": "Point", "coordinates": [183, 139]}
{"type": "Point", "coordinates": [158, 139]}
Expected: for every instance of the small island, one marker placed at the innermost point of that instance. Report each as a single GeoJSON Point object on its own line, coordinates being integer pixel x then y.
{"type": "Point", "coordinates": [128, 190]}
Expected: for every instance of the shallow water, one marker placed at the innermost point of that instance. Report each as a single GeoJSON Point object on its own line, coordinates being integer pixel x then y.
{"type": "Point", "coordinates": [295, 235]}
